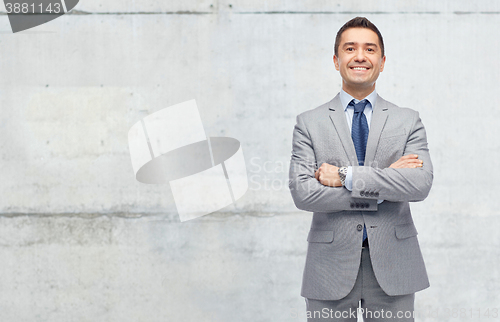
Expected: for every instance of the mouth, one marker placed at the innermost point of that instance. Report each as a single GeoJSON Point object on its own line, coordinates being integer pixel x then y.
{"type": "Point", "coordinates": [361, 68]}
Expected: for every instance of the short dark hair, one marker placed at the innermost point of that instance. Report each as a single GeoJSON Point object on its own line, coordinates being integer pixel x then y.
{"type": "Point", "coordinates": [358, 22]}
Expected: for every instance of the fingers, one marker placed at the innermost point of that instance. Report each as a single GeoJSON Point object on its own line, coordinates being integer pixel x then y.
{"type": "Point", "coordinates": [408, 157]}
{"type": "Point", "coordinates": [407, 163]}
{"type": "Point", "coordinates": [327, 175]}
{"type": "Point", "coordinates": [322, 169]}
{"type": "Point", "coordinates": [412, 162]}
{"type": "Point", "coordinates": [412, 165]}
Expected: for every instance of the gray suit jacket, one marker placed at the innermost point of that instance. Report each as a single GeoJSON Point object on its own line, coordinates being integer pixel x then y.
{"type": "Point", "coordinates": [322, 136]}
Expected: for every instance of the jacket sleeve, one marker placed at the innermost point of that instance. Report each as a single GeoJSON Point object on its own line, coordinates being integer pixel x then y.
{"type": "Point", "coordinates": [307, 192]}
{"type": "Point", "coordinates": [397, 185]}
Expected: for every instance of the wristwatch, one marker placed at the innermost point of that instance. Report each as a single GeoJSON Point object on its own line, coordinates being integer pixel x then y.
{"type": "Point", "coordinates": [342, 174]}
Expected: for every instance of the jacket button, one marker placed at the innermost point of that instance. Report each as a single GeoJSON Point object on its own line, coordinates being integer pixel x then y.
{"type": "Point", "coordinates": [352, 205]}
{"type": "Point", "coordinates": [362, 193]}
{"type": "Point", "coordinates": [376, 194]}
{"type": "Point", "coordinates": [362, 205]}
{"type": "Point", "coordinates": [372, 194]}
{"type": "Point", "coordinates": [367, 205]}
{"type": "Point", "coordinates": [357, 205]}
{"type": "Point", "coordinates": [359, 227]}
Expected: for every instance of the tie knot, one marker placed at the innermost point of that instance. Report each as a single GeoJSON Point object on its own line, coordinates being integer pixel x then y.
{"type": "Point", "coordinates": [358, 107]}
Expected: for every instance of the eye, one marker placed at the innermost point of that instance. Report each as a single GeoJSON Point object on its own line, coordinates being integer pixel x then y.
{"type": "Point", "coordinates": [371, 50]}
{"type": "Point", "coordinates": [349, 49]}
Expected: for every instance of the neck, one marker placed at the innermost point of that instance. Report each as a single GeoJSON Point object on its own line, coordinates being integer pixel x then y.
{"type": "Point", "coordinates": [358, 93]}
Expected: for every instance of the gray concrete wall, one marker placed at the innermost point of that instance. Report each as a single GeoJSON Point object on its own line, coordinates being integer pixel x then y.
{"type": "Point", "coordinates": [81, 240]}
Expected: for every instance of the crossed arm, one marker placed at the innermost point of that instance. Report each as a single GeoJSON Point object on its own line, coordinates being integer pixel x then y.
{"type": "Point", "coordinates": [328, 174]}
{"type": "Point", "coordinates": [407, 179]}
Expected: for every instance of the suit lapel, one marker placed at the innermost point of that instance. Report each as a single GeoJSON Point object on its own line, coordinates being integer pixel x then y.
{"type": "Point", "coordinates": [379, 117]}
{"type": "Point", "coordinates": [337, 115]}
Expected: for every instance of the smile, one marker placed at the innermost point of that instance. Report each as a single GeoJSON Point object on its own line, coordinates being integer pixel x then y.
{"type": "Point", "coordinates": [359, 68]}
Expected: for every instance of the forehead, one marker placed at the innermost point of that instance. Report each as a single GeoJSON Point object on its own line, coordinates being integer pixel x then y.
{"type": "Point", "coordinates": [359, 35]}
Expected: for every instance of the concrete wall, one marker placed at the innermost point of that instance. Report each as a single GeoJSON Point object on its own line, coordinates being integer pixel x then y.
{"type": "Point", "coordinates": [81, 240]}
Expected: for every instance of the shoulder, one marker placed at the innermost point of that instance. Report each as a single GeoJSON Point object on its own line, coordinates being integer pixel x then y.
{"type": "Point", "coordinates": [393, 109]}
{"type": "Point", "coordinates": [319, 112]}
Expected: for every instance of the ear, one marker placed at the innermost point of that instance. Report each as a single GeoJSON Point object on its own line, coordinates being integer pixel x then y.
{"type": "Point", "coordinates": [382, 64]}
{"type": "Point", "coordinates": [336, 62]}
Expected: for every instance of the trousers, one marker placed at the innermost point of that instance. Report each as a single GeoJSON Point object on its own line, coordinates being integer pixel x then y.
{"type": "Point", "coordinates": [376, 305]}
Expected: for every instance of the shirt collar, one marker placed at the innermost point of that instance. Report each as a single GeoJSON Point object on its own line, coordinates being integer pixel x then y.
{"type": "Point", "coordinates": [345, 98]}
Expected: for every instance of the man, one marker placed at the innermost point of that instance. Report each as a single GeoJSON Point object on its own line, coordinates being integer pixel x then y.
{"type": "Point", "coordinates": [373, 160]}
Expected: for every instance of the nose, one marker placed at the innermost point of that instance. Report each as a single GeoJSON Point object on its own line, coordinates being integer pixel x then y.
{"type": "Point", "coordinates": [360, 56]}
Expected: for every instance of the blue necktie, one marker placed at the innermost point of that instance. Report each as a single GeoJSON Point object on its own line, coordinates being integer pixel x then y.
{"type": "Point", "coordinates": [359, 134]}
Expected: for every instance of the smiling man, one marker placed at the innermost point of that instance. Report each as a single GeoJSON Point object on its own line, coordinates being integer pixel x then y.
{"type": "Point", "coordinates": [357, 162]}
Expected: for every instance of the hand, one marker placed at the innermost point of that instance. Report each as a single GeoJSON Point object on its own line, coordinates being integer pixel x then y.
{"type": "Point", "coordinates": [328, 175]}
{"type": "Point", "coordinates": [407, 161]}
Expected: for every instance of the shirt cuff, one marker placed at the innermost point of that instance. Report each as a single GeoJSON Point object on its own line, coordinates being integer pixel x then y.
{"type": "Point", "coordinates": [348, 179]}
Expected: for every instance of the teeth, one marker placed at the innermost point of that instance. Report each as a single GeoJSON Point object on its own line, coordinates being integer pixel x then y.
{"type": "Point", "coordinates": [359, 68]}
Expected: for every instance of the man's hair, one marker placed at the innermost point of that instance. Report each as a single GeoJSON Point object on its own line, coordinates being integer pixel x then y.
{"type": "Point", "coordinates": [358, 22]}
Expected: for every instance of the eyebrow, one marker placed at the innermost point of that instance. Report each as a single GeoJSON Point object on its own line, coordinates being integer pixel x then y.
{"type": "Point", "coordinates": [355, 43]}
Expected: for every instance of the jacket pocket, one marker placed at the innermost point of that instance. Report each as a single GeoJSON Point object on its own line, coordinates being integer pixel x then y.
{"type": "Point", "coordinates": [405, 230]}
{"type": "Point", "coordinates": [320, 236]}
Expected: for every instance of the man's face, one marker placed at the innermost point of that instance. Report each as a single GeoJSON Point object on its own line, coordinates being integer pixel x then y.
{"type": "Point", "coordinates": [360, 59]}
